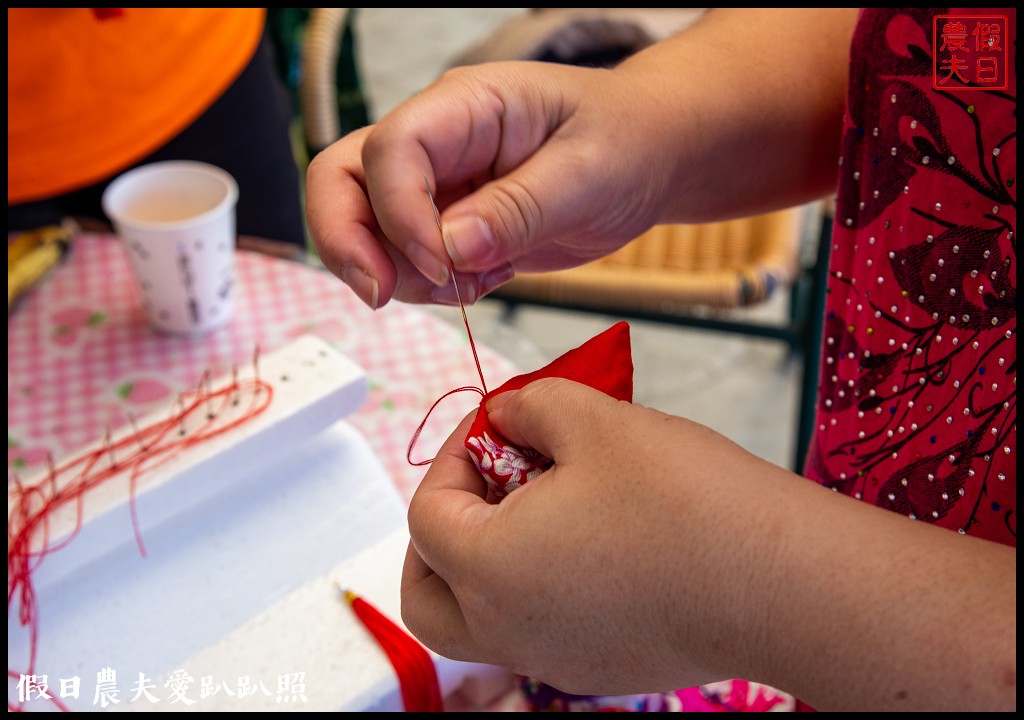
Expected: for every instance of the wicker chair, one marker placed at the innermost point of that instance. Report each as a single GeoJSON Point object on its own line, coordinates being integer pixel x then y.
{"type": "Point", "coordinates": [672, 269]}
{"type": "Point", "coordinates": [318, 88]}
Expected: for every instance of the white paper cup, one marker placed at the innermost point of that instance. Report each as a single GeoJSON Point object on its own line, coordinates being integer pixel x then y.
{"type": "Point", "coordinates": [177, 221]}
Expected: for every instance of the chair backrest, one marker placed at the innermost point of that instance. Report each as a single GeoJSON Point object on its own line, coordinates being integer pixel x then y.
{"type": "Point", "coordinates": [329, 86]}
{"type": "Point", "coordinates": [671, 269]}
{"type": "Point", "coordinates": [318, 88]}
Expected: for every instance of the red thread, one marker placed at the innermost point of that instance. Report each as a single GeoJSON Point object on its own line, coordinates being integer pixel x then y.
{"type": "Point", "coordinates": [476, 359]}
{"type": "Point", "coordinates": [417, 676]}
{"type": "Point", "coordinates": [416, 435]}
{"type": "Point", "coordinates": [469, 334]}
{"type": "Point", "coordinates": [28, 522]}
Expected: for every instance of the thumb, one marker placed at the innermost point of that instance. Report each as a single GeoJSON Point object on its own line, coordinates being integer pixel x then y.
{"type": "Point", "coordinates": [561, 419]}
{"type": "Point", "coordinates": [545, 200]}
{"type": "Point", "coordinates": [519, 218]}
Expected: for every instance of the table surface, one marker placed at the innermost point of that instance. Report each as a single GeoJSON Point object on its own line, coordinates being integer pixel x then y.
{"type": "Point", "coordinates": [81, 357]}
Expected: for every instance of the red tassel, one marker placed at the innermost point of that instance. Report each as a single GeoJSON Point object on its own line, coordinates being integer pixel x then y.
{"type": "Point", "coordinates": [417, 676]}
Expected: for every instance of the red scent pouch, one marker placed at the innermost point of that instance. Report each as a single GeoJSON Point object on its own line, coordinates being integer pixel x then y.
{"type": "Point", "coordinates": [604, 362]}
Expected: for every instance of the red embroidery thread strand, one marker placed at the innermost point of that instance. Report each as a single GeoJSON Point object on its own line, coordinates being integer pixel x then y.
{"type": "Point", "coordinates": [416, 435]}
{"type": "Point", "coordinates": [469, 334]}
{"type": "Point", "coordinates": [143, 450]}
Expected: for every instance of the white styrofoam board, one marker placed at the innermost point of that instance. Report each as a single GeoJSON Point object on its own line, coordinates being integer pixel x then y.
{"type": "Point", "coordinates": [313, 386]}
{"type": "Point", "coordinates": [243, 587]}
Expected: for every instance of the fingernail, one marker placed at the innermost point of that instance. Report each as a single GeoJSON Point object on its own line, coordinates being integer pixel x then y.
{"type": "Point", "coordinates": [498, 401]}
{"type": "Point", "coordinates": [362, 285]}
{"type": "Point", "coordinates": [469, 293]}
{"type": "Point", "coordinates": [447, 296]}
{"type": "Point", "coordinates": [444, 296]}
{"type": "Point", "coordinates": [495, 278]}
{"type": "Point", "coordinates": [433, 269]}
{"type": "Point", "coordinates": [468, 240]}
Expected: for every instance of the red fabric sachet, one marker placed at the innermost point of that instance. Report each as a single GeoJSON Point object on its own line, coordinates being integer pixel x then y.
{"type": "Point", "coordinates": [604, 362]}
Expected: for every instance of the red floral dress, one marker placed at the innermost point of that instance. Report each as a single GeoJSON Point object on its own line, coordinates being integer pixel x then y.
{"type": "Point", "coordinates": [917, 409]}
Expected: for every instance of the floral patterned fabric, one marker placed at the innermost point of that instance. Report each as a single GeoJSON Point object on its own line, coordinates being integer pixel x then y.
{"type": "Point", "coordinates": [726, 696]}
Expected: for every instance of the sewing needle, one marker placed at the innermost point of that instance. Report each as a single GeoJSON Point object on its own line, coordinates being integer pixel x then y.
{"type": "Point", "coordinates": [458, 295]}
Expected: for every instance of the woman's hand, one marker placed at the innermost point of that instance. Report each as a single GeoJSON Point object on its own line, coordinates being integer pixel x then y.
{"type": "Point", "coordinates": [619, 570]}
{"type": "Point", "coordinates": [529, 168]}
{"type": "Point", "coordinates": [656, 554]}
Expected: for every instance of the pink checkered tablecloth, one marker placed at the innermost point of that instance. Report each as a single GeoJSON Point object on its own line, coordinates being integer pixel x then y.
{"type": "Point", "coordinates": [81, 357]}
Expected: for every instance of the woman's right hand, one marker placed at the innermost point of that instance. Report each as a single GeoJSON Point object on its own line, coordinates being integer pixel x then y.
{"type": "Point", "coordinates": [529, 167]}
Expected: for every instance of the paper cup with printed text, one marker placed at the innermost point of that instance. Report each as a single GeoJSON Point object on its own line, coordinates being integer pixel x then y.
{"type": "Point", "coordinates": [177, 221]}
